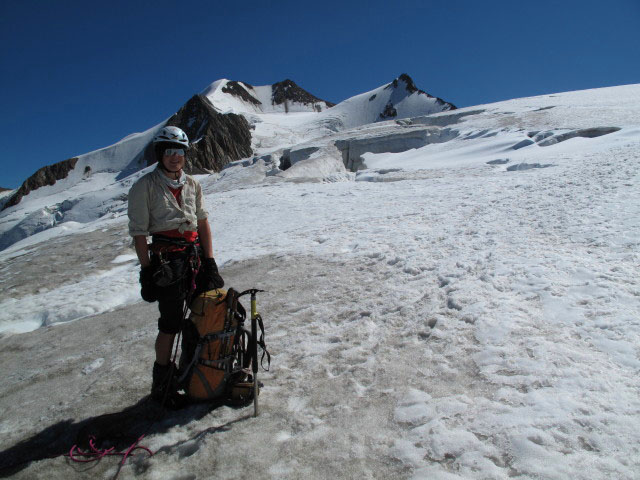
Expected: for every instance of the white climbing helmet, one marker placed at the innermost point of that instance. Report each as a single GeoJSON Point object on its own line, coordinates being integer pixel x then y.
{"type": "Point", "coordinates": [172, 135]}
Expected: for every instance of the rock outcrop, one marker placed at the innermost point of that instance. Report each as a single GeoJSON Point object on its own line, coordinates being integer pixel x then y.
{"type": "Point", "coordinates": [239, 89]}
{"type": "Point", "coordinates": [287, 91]}
{"type": "Point", "coordinates": [285, 94]}
{"type": "Point", "coordinates": [411, 88]}
{"type": "Point", "coordinates": [48, 175]}
{"type": "Point", "coordinates": [389, 112]}
{"type": "Point", "coordinates": [216, 138]}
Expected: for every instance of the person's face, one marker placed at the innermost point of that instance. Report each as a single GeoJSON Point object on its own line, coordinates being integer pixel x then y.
{"type": "Point", "coordinates": [173, 159]}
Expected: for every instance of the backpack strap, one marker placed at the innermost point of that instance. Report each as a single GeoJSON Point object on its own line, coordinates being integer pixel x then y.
{"type": "Point", "coordinates": [224, 364]}
{"type": "Point", "coordinates": [192, 363]}
{"type": "Point", "coordinates": [260, 341]}
{"type": "Point", "coordinates": [263, 345]}
{"type": "Point", "coordinates": [209, 337]}
{"type": "Point", "coordinates": [205, 384]}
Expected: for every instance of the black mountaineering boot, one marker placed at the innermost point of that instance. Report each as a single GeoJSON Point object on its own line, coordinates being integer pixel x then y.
{"type": "Point", "coordinates": [164, 389]}
{"type": "Point", "coordinates": [161, 380]}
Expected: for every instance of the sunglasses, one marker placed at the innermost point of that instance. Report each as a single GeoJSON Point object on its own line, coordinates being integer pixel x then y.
{"type": "Point", "coordinates": [169, 152]}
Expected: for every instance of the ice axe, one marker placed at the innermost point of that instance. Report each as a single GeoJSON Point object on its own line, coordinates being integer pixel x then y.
{"type": "Point", "coordinates": [253, 347]}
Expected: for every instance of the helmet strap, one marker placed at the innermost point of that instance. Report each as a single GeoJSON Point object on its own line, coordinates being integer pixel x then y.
{"type": "Point", "coordinates": [176, 175]}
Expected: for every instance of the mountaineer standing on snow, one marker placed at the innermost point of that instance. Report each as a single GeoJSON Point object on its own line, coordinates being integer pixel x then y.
{"type": "Point", "coordinates": [168, 205]}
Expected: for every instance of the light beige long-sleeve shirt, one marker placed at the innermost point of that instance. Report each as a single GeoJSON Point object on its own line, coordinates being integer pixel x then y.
{"type": "Point", "coordinates": [152, 208]}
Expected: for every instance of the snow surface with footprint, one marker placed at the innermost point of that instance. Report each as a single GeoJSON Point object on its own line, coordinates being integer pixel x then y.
{"type": "Point", "coordinates": [432, 316]}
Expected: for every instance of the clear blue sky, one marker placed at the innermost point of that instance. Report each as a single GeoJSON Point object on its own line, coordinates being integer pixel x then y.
{"type": "Point", "coordinates": [77, 76]}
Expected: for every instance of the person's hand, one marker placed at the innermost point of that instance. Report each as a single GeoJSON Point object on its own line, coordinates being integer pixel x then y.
{"type": "Point", "coordinates": [147, 290]}
{"type": "Point", "coordinates": [211, 274]}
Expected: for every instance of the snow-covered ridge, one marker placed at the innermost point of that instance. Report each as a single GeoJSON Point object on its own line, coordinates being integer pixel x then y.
{"type": "Point", "coordinates": [96, 175]}
{"type": "Point", "coordinates": [397, 100]}
{"type": "Point", "coordinates": [282, 112]}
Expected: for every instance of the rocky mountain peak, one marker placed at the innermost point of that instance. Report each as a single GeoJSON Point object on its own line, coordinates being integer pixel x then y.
{"type": "Point", "coordinates": [408, 81]}
{"type": "Point", "coordinates": [216, 138]}
{"type": "Point", "coordinates": [411, 88]}
{"type": "Point", "coordinates": [289, 91]}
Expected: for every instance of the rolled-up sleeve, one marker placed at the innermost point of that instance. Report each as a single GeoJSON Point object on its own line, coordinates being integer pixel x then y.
{"type": "Point", "coordinates": [201, 211]}
{"type": "Point", "coordinates": [138, 209]}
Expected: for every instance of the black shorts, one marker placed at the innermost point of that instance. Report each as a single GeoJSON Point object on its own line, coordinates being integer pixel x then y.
{"type": "Point", "coordinates": [171, 303]}
{"type": "Point", "coordinates": [172, 298]}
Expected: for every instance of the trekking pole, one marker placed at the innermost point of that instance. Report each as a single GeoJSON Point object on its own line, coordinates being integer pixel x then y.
{"type": "Point", "coordinates": [254, 350]}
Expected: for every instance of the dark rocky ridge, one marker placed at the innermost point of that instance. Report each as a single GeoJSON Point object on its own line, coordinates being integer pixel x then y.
{"type": "Point", "coordinates": [48, 175]}
{"type": "Point", "coordinates": [216, 139]}
{"type": "Point", "coordinates": [5, 189]}
{"type": "Point", "coordinates": [236, 89]}
{"type": "Point", "coordinates": [281, 93]}
{"type": "Point", "coordinates": [411, 88]}
{"type": "Point", "coordinates": [288, 91]}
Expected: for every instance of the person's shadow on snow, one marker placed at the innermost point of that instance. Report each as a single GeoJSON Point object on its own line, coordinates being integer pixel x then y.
{"type": "Point", "coordinates": [119, 430]}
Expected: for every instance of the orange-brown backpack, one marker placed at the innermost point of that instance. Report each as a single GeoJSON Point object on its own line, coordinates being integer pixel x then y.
{"type": "Point", "coordinates": [216, 363]}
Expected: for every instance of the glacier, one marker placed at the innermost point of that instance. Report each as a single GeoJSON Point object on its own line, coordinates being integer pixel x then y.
{"type": "Point", "coordinates": [435, 305]}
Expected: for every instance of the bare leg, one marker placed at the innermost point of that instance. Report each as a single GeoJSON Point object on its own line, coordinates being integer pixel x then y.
{"type": "Point", "coordinates": [164, 345]}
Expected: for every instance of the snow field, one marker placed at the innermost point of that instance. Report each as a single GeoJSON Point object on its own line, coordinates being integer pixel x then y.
{"type": "Point", "coordinates": [67, 277]}
{"type": "Point", "coordinates": [475, 320]}
{"type": "Point", "coordinates": [506, 285]}
{"type": "Point", "coordinates": [471, 322]}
